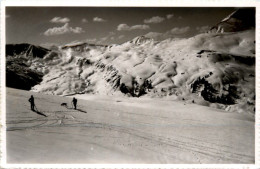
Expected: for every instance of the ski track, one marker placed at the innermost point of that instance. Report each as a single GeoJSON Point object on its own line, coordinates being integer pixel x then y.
{"type": "Point", "coordinates": [138, 128]}
{"type": "Point", "coordinates": [197, 148]}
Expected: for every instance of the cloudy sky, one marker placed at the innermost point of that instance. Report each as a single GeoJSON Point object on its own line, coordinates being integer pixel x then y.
{"type": "Point", "coordinates": [61, 25]}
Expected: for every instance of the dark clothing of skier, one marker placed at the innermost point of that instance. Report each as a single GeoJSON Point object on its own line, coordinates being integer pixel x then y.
{"type": "Point", "coordinates": [74, 103]}
{"type": "Point", "coordinates": [31, 100]}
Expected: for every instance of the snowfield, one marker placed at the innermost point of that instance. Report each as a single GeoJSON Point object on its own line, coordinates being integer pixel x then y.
{"type": "Point", "coordinates": [118, 129]}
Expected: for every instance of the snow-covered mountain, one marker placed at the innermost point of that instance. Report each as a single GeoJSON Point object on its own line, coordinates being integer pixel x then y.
{"type": "Point", "coordinates": [82, 47]}
{"type": "Point", "coordinates": [213, 69]}
{"type": "Point", "coordinates": [18, 60]}
{"type": "Point", "coordinates": [141, 40]}
{"type": "Point", "coordinates": [20, 76]}
{"type": "Point", "coordinates": [26, 50]}
{"type": "Point", "coordinates": [240, 20]}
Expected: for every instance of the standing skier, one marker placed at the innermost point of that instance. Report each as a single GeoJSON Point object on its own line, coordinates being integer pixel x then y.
{"type": "Point", "coordinates": [31, 100]}
{"type": "Point", "coordinates": [74, 103]}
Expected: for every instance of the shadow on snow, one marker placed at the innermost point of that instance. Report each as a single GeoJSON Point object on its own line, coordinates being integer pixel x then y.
{"type": "Point", "coordinates": [83, 111]}
{"type": "Point", "coordinates": [36, 111]}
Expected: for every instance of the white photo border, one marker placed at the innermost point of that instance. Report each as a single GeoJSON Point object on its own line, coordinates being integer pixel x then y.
{"type": "Point", "coordinates": [129, 3]}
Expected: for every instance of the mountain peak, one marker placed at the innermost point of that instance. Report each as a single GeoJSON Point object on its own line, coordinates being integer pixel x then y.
{"type": "Point", "coordinates": [239, 20]}
{"type": "Point", "coordinates": [139, 40]}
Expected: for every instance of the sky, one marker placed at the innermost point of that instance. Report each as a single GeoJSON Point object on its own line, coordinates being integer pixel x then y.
{"type": "Point", "coordinates": [106, 25]}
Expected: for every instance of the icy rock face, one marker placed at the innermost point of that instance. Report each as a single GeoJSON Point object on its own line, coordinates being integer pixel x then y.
{"type": "Point", "coordinates": [26, 50]}
{"type": "Point", "coordinates": [225, 91]}
{"type": "Point", "coordinates": [20, 73]}
{"type": "Point", "coordinates": [240, 20]}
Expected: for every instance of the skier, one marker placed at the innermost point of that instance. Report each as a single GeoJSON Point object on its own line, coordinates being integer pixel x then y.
{"type": "Point", "coordinates": [31, 100]}
{"type": "Point", "coordinates": [74, 103]}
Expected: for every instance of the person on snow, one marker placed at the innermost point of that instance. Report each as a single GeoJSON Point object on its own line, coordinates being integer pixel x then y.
{"type": "Point", "coordinates": [31, 100]}
{"type": "Point", "coordinates": [75, 102]}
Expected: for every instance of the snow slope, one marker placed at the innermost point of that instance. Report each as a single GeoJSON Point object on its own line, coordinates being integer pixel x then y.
{"type": "Point", "coordinates": [124, 130]}
{"type": "Point", "coordinates": [216, 70]}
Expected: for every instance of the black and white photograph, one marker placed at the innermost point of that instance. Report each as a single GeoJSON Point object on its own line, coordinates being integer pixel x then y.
{"type": "Point", "coordinates": [130, 85]}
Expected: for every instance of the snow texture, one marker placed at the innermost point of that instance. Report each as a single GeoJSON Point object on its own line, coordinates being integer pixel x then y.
{"type": "Point", "coordinates": [211, 69]}
{"type": "Point", "coordinates": [123, 130]}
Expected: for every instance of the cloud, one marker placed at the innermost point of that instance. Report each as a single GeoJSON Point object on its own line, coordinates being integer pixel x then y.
{"type": "Point", "coordinates": [177, 31]}
{"type": "Point", "coordinates": [153, 35]}
{"type": "Point", "coordinates": [202, 29]}
{"type": "Point", "coordinates": [59, 20]}
{"type": "Point", "coordinates": [91, 40]}
{"type": "Point", "coordinates": [121, 36]}
{"type": "Point", "coordinates": [169, 16]}
{"type": "Point", "coordinates": [76, 30]}
{"type": "Point", "coordinates": [84, 20]}
{"type": "Point", "coordinates": [97, 19]}
{"type": "Point", "coordinates": [155, 19]}
{"type": "Point", "coordinates": [125, 27]}
{"type": "Point", "coordinates": [103, 39]}
{"type": "Point", "coordinates": [112, 33]}
{"type": "Point", "coordinates": [143, 27]}
{"type": "Point", "coordinates": [62, 30]}
{"type": "Point", "coordinates": [109, 36]}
